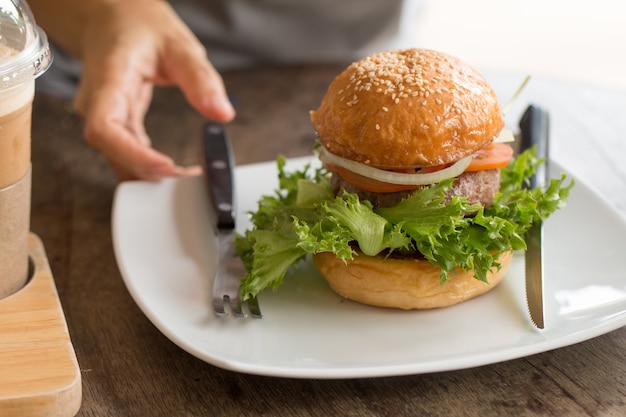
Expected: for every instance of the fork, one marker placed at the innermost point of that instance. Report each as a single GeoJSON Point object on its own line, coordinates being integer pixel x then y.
{"type": "Point", "coordinates": [219, 175]}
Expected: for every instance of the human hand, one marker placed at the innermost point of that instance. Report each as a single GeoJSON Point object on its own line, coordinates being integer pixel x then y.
{"type": "Point", "coordinates": [128, 49]}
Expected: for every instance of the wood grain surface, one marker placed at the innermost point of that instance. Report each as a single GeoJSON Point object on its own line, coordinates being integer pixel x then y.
{"type": "Point", "coordinates": [40, 374]}
{"type": "Point", "coordinates": [129, 368]}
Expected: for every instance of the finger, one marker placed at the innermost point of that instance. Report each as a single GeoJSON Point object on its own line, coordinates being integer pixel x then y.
{"type": "Point", "coordinates": [114, 124]}
{"type": "Point", "coordinates": [108, 129]}
{"type": "Point", "coordinates": [122, 173]}
{"type": "Point", "coordinates": [137, 112]}
{"type": "Point", "coordinates": [113, 98]}
{"type": "Point", "coordinates": [187, 66]}
{"type": "Point", "coordinates": [188, 171]}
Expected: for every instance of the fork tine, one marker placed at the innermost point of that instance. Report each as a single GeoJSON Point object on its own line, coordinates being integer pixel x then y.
{"type": "Point", "coordinates": [235, 306]}
{"type": "Point", "coordinates": [218, 307]}
{"type": "Point", "coordinates": [255, 310]}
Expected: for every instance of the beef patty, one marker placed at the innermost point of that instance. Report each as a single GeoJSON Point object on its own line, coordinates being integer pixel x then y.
{"type": "Point", "coordinates": [479, 187]}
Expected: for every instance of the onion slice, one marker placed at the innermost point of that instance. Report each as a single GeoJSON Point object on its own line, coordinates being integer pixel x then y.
{"type": "Point", "coordinates": [396, 177]}
{"type": "Point", "coordinates": [505, 136]}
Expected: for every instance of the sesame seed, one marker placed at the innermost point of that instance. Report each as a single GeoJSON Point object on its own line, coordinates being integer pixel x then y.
{"type": "Point", "coordinates": [399, 74]}
{"type": "Point", "coordinates": [385, 109]}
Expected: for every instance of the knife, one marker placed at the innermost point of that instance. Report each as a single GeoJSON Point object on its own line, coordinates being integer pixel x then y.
{"type": "Point", "coordinates": [534, 126]}
{"type": "Point", "coordinates": [219, 174]}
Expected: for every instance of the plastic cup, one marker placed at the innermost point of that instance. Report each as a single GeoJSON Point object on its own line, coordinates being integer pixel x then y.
{"type": "Point", "coordinates": [24, 55]}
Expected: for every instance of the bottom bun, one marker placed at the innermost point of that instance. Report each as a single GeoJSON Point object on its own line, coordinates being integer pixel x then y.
{"type": "Point", "coordinates": [405, 283]}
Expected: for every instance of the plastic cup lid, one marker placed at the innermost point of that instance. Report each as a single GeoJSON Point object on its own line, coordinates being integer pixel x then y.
{"type": "Point", "coordinates": [24, 49]}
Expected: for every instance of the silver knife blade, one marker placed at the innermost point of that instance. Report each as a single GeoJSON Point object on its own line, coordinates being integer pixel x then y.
{"type": "Point", "coordinates": [535, 126]}
{"type": "Point", "coordinates": [219, 174]}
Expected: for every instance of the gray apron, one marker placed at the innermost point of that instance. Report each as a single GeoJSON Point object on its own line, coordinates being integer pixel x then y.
{"type": "Point", "coordinates": [243, 33]}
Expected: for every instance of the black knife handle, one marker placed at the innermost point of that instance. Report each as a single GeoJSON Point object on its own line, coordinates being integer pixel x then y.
{"type": "Point", "coordinates": [535, 131]}
{"type": "Point", "coordinates": [219, 173]}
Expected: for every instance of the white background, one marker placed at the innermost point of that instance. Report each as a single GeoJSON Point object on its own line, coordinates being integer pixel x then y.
{"type": "Point", "coordinates": [580, 40]}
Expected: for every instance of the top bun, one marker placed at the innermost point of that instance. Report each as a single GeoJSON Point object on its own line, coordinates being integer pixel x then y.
{"type": "Point", "coordinates": [408, 108]}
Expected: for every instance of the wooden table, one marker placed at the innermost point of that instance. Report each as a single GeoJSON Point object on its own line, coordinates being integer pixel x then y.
{"type": "Point", "coordinates": [130, 369]}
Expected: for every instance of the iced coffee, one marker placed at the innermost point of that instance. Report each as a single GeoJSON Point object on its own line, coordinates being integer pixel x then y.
{"type": "Point", "coordinates": [24, 55]}
{"type": "Point", "coordinates": [15, 126]}
{"type": "Point", "coordinates": [15, 186]}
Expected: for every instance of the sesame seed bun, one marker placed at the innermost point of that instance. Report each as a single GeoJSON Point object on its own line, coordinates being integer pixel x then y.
{"type": "Point", "coordinates": [408, 108]}
{"type": "Point", "coordinates": [404, 283]}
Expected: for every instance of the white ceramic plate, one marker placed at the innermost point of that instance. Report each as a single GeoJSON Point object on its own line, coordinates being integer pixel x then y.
{"type": "Point", "coordinates": [166, 253]}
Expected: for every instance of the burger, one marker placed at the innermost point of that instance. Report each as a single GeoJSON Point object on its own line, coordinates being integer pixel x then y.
{"type": "Point", "coordinates": [418, 203]}
{"type": "Point", "coordinates": [394, 122]}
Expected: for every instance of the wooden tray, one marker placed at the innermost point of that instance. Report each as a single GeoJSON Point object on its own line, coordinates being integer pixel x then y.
{"type": "Point", "coordinates": [39, 373]}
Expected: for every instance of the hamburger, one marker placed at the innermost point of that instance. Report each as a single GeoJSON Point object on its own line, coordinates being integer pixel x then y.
{"type": "Point", "coordinates": [418, 204]}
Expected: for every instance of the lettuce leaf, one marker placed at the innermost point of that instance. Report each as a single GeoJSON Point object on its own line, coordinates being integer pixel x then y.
{"type": "Point", "coordinates": [304, 217]}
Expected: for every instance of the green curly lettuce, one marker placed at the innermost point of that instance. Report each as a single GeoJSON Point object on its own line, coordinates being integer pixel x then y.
{"type": "Point", "coordinates": [304, 217]}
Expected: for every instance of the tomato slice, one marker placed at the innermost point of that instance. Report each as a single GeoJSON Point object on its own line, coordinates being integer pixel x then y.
{"type": "Point", "coordinates": [496, 155]}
